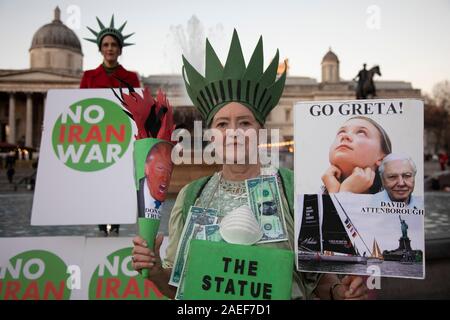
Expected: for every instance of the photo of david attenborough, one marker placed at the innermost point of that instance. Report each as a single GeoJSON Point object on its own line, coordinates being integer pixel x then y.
{"type": "Point", "coordinates": [153, 187]}
{"type": "Point", "coordinates": [398, 174]}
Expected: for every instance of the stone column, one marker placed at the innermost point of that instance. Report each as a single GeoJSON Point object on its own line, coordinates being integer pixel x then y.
{"type": "Point", "coordinates": [29, 122]}
{"type": "Point", "coordinates": [12, 119]}
{"type": "Point", "coordinates": [44, 101]}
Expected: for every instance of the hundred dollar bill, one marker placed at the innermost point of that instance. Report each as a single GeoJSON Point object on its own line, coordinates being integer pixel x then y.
{"type": "Point", "coordinates": [196, 216]}
{"type": "Point", "coordinates": [265, 201]}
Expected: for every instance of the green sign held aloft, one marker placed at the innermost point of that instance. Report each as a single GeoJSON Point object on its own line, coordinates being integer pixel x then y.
{"type": "Point", "coordinates": [218, 270]}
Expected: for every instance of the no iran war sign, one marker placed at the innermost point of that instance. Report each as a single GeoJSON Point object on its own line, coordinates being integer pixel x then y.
{"type": "Point", "coordinates": [85, 172]}
{"type": "Point", "coordinates": [75, 268]}
{"type": "Point", "coordinates": [40, 268]}
{"type": "Point", "coordinates": [109, 274]}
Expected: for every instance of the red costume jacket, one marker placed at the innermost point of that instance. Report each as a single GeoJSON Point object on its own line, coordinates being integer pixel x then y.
{"type": "Point", "coordinates": [98, 78]}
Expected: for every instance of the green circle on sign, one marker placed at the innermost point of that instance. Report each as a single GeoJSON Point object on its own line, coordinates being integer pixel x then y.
{"type": "Point", "coordinates": [91, 135]}
{"type": "Point", "coordinates": [35, 275]}
{"type": "Point", "coordinates": [115, 279]}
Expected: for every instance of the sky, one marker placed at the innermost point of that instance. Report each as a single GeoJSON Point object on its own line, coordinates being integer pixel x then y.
{"type": "Point", "coordinates": [408, 39]}
{"type": "Point", "coordinates": [384, 227]}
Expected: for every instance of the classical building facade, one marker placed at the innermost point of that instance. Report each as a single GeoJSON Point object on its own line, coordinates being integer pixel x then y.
{"type": "Point", "coordinates": [56, 62]}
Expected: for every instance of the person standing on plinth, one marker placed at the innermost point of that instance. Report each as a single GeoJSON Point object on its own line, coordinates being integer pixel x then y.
{"type": "Point", "coordinates": [110, 42]}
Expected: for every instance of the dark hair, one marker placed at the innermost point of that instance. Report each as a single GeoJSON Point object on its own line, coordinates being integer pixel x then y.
{"type": "Point", "coordinates": [115, 38]}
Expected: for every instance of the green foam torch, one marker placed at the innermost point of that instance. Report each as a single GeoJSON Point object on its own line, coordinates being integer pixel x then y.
{"type": "Point", "coordinates": [152, 151]}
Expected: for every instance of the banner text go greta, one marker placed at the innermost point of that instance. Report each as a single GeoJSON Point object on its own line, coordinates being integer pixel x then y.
{"type": "Point", "coordinates": [357, 108]}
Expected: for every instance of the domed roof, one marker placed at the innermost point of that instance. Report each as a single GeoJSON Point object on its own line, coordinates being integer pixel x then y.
{"type": "Point", "coordinates": [330, 56]}
{"type": "Point", "coordinates": [56, 35]}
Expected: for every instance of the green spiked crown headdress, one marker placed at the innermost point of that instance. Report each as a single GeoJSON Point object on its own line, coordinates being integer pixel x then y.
{"type": "Point", "coordinates": [112, 31]}
{"type": "Point", "coordinates": [251, 86]}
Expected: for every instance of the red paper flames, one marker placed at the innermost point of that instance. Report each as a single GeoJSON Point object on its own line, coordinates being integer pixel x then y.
{"type": "Point", "coordinates": [153, 118]}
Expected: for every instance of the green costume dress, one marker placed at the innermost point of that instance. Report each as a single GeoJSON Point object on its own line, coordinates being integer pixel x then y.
{"type": "Point", "coordinates": [225, 196]}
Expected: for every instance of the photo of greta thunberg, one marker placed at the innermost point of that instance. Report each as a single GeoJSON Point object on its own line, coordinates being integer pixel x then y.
{"type": "Point", "coordinates": [355, 155]}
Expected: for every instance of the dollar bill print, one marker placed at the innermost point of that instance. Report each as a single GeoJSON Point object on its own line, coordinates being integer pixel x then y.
{"type": "Point", "coordinates": [209, 232]}
{"type": "Point", "coordinates": [196, 219]}
{"type": "Point", "coordinates": [264, 200]}
{"type": "Point", "coordinates": [212, 233]}
{"type": "Point", "coordinates": [199, 232]}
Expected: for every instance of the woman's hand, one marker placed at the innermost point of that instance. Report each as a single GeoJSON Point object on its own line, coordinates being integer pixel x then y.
{"type": "Point", "coordinates": [145, 258]}
{"type": "Point", "coordinates": [330, 179]}
{"type": "Point", "coordinates": [359, 181]}
{"type": "Point", "coordinates": [351, 288]}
